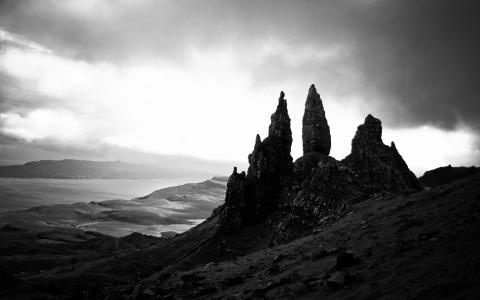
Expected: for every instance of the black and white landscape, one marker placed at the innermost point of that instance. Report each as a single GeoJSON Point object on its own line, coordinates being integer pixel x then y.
{"type": "Point", "coordinates": [239, 149]}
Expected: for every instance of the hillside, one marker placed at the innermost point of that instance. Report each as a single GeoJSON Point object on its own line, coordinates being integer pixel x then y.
{"type": "Point", "coordinates": [84, 169]}
{"type": "Point", "coordinates": [404, 247]}
{"type": "Point", "coordinates": [445, 175]}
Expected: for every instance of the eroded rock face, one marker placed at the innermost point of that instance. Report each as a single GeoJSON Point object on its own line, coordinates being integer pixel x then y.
{"type": "Point", "coordinates": [317, 186]}
{"type": "Point", "coordinates": [271, 167]}
{"type": "Point", "coordinates": [250, 198]}
{"type": "Point", "coordinates": [315, 136]}
{"type": "Point", "coordinates": [232, 214]}
{"type": "Point", "coordinates": [331, 186]}
{"type": "Point", "coordinates": [379, 166]}
{"type": "Point", "coordinates": [315, 130]}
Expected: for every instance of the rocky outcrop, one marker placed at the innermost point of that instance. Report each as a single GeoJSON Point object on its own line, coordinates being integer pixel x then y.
{"type": "Point", "coordinates": [232, 215]}
{"type": "Point", "coordinates": [271, 167]}
{"type": "Point", "coordinates": [331, 187]}
{"type": "Point", "coordinates": [269, 174]}
{"type": "Point", "coordinates": [378, 166]}
{"type": "Point", "coordinates": [315, 136]}
{"type": "Point", "coordinates": [315, 130]}
{"type": "Point", "coordinates": [316, 186]}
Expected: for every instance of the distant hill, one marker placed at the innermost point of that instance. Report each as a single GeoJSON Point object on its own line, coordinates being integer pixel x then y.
{"type": "Point", "coordinates": [446, 175]}
{"type": "Point", "coordinates": [84, 169]}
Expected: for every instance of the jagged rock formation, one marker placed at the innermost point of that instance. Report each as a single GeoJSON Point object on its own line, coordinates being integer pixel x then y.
{"type": "Point", "coordinates": [316, 185]}
{"type": "Point", "coordinates": [269, 175]}
{"type": "Point", "coordinates": [271, 168]}
{"type": "Point", "coordinates": [377, 165]}
{"type": "Point", "coordinates": [232, 215]}
{"type": "Point", "coordinates": [331, 187]}
{"type": "Point", "coordinates": [315, 130]}
{"type": "Point", "coordinates": [315, 136]}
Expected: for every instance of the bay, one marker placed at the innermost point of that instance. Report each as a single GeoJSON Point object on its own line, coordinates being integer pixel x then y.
{"type": "Point", "coordinates": [24, 193]}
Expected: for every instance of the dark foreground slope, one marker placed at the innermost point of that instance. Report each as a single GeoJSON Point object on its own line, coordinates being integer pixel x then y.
{"type": "Point", "coordinates": [422, 246]}
{"type": "Point", "coordinates": [419, 246]}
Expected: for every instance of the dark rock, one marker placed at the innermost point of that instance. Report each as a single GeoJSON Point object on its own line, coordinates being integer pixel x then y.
{"type": "Point", "coordinates": [10, 228]}
{"type": "Point", "coordinates": [319, 253]}
{"type": "Point", "coordinates": [337, 280]}
{"type": "Point", "coordinates": [252, 196]}
{"type": "Point", "coordinates": [378, 166]}
{"type": "Point", "coordinates": [233, 213]}
{"type": "Point", "coordinates": [274, 268]}
{"type": "Point", "coordinates": [330, 188]}
{"type": "Point", "coordinates": [271, 167]}
{"type": "Point", "coordinates": [315, 130]}
{"type": "Point", "coordinates": [278, 258]}
{"type": "Point", "coordinates": [345, 258]}
{"type": "Point", "coordinates": [305, 166]}
{"type": "Point", "coordinates": [231, 281]}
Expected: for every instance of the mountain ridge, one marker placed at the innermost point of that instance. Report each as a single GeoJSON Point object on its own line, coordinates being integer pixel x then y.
{"type": "Point", "coordinates": [88, 169]}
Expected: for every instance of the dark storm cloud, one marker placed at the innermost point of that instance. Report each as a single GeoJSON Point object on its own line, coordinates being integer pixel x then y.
{"type": "Point", "coordinates": [423, 56]}
{"type": "Point", "coordinates": [418, 60]}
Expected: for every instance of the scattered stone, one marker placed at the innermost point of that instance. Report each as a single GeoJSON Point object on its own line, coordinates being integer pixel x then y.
{"type": "Point", "coordinates": [274, 268]}
{"type": "Point", "coordinates": [278, 257]}
{"type": "Point", "coordinates": [337, 280]}
{"type": "Point", "coordinates": [231, 281]}
{"type": "Point", "coordinates": [345, 258]}
{"type": "Point", "coordinates": [148, 292]}
{"type": "Point", "coordinates": [319, 253]}
{"type": "Point", "coordinates": [210, 264]}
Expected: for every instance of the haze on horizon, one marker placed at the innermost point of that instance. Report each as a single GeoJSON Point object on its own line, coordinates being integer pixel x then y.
{"type": "Point", "coordinates": [124, 79]}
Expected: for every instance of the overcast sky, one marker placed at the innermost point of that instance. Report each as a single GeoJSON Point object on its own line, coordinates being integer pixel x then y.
{"type": "Point", "coordinates": [92, 79]}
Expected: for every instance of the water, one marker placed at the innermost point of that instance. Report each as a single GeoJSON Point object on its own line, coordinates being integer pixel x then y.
{"type": "Point", "coordinates": [21, 193]}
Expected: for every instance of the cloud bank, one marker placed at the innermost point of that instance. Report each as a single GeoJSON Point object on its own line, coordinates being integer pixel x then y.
{"type": "Point", "coordinates": [201, 78]}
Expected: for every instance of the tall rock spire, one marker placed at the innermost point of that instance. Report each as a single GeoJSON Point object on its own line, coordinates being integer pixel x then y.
{"type": "Point", "coordinates": [252, 196]}
{"type": "Point", "coordinates": [315, 130]}
{"type": "Point", "coordinates": [280, 123]}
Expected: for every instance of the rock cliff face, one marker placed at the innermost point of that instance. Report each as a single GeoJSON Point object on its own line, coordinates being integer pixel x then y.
{"type": "Point", "coordinates": [271, 169]}
{"type": "Point", "coordinates": [378, 166]}
{"type": "Point", "coordinates": [269, 174]}
{"type": "Point", "coordinates": [315, 136]}
{"type": "Point", "coordinates": [316, 185]}
{"type": "Point", "coordinates": [233, 214]}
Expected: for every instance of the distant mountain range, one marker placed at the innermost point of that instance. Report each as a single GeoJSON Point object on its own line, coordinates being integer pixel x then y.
{"type": "Point", "coordinates": [85, 169]}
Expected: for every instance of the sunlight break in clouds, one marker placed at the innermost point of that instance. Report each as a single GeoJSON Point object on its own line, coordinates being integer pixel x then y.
{"type": "Point", "coordinates": [42, 124]}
